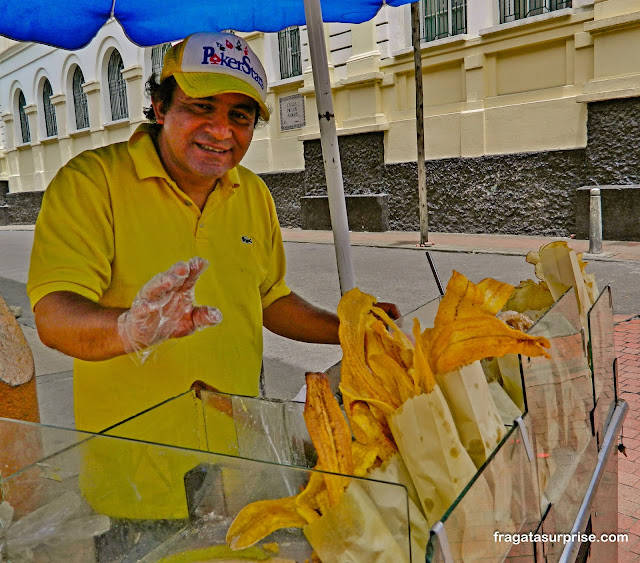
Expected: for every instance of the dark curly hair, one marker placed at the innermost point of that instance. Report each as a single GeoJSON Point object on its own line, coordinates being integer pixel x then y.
{"type": "Point", "coordinates": [159, 91]}
{"type": "Point", "coordinates": [163, 92]}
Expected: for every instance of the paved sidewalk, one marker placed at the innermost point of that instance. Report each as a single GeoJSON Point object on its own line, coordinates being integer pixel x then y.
{"type": "Point", "coordinates": [516, 245]}
{"type": "Point", "coordinates": [627, 336]}
{"type": "Point", "coordinates": [453, 242]}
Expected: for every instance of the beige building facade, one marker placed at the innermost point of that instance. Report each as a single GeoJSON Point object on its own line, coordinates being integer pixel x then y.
{"type": "Point", "coordinates": [499, 85]}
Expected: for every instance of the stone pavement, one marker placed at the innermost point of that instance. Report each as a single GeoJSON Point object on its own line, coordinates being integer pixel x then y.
{"type": "Point", "coordinates": [627, 336]}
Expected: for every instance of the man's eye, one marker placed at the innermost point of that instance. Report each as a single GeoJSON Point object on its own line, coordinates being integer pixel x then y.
{"type": "Point", "coordinates": [204, 107]}
{"type": "Point", "coordinates": [240, 116]}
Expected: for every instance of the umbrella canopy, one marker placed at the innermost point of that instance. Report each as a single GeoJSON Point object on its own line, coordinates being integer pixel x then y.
{"type": "Point", "coordinates": [71, 24]}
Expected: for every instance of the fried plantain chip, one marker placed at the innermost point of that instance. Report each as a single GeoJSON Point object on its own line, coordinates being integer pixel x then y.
{"type": "Point", "coordinates": [465, 299]}
{"type": "Point", "coordinates": [467, 340]}
{"type": "Point", "coordinates": [496, 294]}
{"type": "Point", "coordinates": [329, 433]}
{"type": "Point", "coordinates": [401, 382]}
{"type": "Point", "coordinates": [259, 519]}
{"type": "Point", "coordinates": [311, 502]}
{"type": "Point", "coordinates": [365, 458]}
{"type": "Point", "coordinates": [367, 428]}
{"type": "Point", "coordinates": [529, 296]}
{"type": "Point", "coordinates": [422, 368]}
{"type": "Point", "coordinates": [354, 311]}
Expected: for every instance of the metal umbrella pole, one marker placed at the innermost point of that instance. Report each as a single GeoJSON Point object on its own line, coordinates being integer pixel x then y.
{"type": "Point", "coordinates": [329, 142]}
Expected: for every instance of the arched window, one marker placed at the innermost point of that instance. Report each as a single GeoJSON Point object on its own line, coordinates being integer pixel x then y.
{"type": "Point", "coordinates": [80, 103]}
{"type": "Point", "coordinates": [157, 58]}
{"type": "Point", "coordinates": [117, 87]}
{"type": "Point", "coordinates": [49, 110]}
{"type": "Point", "coordinates": [24, 122]}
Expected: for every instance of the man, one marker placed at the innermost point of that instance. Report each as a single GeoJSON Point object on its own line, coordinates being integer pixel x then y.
{"type": "Point", "coordinates": [171, 199]}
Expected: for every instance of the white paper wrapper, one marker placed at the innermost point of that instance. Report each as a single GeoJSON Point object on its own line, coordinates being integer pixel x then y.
{"type": "Point", "coordinates": [353, 531]}
{"type": "Point", "coordinates": [475, 414]}
{"type": "Point", "coordinates": [440, 468]}
{"type": "Point", "coordinates": [393, 508]}
{"type": "Point", "coordinates": [509, 366]}
{"type": "Point", "coordinates": [506, 407]}
{"type": "Point", "coordinates": [430, 446]}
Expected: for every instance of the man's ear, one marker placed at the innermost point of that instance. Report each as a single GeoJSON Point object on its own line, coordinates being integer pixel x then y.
{"type": "Point", "coordinates": [158, 110]}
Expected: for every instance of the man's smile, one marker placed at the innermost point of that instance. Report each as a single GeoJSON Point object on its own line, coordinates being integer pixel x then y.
{"type": "Point", "coordinates": [209, 148]}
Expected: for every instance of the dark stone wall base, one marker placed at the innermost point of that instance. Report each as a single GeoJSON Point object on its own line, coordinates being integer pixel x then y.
{"type": "Point", "coordinates": [24, 207]}
{"type": "Point", "coordinates": [364, 212]}
{"type": "Point", "coordinates": [518, 194]}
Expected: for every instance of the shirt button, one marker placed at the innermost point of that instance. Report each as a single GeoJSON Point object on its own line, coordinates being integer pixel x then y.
{"type": "Point", "coordinates": [202, 225]}
{"type": "Point", "coordinates": [187, 203]}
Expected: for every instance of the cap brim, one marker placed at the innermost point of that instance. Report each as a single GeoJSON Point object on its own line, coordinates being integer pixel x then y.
{"type": "Point", "coordinates": [205, 84]}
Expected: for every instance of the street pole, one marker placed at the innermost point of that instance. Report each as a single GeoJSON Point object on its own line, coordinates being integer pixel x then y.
{"type": "Point", "coordinates": [329, 143]}
{"type": "Point", "coordinates": [422, 173]}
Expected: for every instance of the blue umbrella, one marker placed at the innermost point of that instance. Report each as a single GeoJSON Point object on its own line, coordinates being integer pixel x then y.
{"type": "Point", "coordinates": [71, 24]}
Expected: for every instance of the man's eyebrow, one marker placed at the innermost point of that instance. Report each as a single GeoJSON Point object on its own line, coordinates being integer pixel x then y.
{"type": "Point", "coordinates": [246, 107]}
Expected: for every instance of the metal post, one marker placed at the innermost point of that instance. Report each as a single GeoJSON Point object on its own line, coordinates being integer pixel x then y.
{"type": "Point", "coordinates": [422, 174]}
{"type": "Point", "coordinates": [595, 221]}
{"type": "Point", "coordinates": [329, 143]}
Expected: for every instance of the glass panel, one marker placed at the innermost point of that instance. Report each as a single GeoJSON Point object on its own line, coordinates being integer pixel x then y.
{"type": "Point", "coordinates": [425, 314]}
{"type": "Point", "coordinates": [559, 399]}
{"type": "Point", "coordinates": [26, 443]}
{"type": "Point", "coordinates": [503, 498]}
{"type": "Point", "coordinates": [251, 427]}
{"type": "Point", "coordinates": [185, 502]}
{"type": "Point", "coordinates": [602, 354]}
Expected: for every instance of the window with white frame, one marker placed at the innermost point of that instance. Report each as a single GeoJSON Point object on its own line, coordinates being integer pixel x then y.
{"type": "Point", "coordinates": [117, 87]}
{"type": "Point", "coordinates": [157, 58]}
{"type": "Point", "coordinates": [49, 111]}
{"type": "Point", "coordinates": [24, 122]}
{"type": "Point", "coordinates": [80, 103]}
{"type": "Point", "coordinates": [442, 18]}
{"type": "Point", "coordinates": [512, 10]}
{"type": "Point", "coordinates": [290, 53]}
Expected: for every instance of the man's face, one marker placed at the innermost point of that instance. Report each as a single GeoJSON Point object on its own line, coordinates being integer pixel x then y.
{"type": "Point", "coordinates": [202, 138]}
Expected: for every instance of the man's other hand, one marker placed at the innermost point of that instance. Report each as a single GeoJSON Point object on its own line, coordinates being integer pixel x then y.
{"type": "Point", "coordinates": [390, 309]}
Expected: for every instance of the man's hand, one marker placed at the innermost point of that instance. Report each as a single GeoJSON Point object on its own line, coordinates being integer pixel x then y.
{"type": "Point", "coordinates": [164, 308]}
{"type": "Point", "coordinates": [390, 309]}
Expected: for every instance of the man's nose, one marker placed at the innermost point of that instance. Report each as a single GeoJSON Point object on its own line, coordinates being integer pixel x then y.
{"type": "Point", "coordinates": [219, 127]}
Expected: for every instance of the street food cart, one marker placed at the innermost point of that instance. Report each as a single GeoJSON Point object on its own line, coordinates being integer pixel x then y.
{"type": "Point", "coordinates": [554, 472]}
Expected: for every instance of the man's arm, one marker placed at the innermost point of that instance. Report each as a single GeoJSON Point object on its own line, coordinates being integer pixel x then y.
{"type": "Point", "coordinates": [78, 327]}
{"type": "Point", "coordinates": [294, 317]}
{"type": "Point", "coordinates": [163, 308]}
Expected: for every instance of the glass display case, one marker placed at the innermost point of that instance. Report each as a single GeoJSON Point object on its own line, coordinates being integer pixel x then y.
{"type": "Point", "coordinates": [166, 484]}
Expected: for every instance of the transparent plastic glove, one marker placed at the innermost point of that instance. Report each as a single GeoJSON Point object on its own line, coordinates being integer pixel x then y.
{"type": "Point", "coordinates": [164, 308]}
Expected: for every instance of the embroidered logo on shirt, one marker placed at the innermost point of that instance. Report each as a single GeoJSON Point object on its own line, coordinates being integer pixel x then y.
{"type": "Point", "coordinates": [247, 240]}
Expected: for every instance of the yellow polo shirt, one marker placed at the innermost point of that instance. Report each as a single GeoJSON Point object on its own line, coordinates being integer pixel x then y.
{"type": "Point", "coordinates": [110, 220]}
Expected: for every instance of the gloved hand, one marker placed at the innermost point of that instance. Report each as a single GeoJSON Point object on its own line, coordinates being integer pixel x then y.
{"type": "Point", "coordinates": [164, 308]}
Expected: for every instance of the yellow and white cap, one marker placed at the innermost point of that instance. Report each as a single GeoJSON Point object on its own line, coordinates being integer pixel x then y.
{"type": "Point", "coordinates": [208, 64]}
